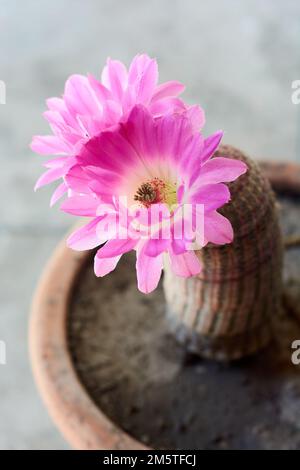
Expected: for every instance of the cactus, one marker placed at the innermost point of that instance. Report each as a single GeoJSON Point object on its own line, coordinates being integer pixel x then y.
{"type": "Point", "coordinates": [226, 311]}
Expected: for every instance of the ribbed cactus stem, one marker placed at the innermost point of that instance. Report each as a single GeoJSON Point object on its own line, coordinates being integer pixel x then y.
{"type": "Point", "coordinates": [226, 312]}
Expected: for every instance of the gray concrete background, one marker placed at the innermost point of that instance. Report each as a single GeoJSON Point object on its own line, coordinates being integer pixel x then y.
{"type": "Point", "coordinates": [237, 58]}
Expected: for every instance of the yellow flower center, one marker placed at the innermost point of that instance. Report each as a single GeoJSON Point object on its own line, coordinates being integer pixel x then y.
{"type": "Point", "coordinates": [156, 191]}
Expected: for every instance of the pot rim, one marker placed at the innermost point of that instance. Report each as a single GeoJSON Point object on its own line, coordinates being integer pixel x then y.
{"type": "Point", "coordinates": [81, 422]}
{"type": "Point", "coordinates": [78, 418]}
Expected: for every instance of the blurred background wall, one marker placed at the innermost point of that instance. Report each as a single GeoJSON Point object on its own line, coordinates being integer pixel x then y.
{"type": "Point", "coordinates": [238, 60]}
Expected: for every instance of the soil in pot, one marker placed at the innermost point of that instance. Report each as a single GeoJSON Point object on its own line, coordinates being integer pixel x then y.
{"type": "Point", "coordinates": [152, 388]}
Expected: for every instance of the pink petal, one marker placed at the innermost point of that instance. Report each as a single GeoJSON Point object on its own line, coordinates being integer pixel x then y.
{"type": "Point", "coordinates": [116, 247]}
{"type": "Point", "coordinates": [167, 106]}
{"type": "Point", "coordinates": [58, 162]}
{"type": "Point", "coordinates": [172, 135]}
{"type": "Point", "coordinates": [77, 180]}
{"type": "Point", "coordinates": [111, 151]}
{"type": "Point", "coordinates": [143, 75]}
{"type": "Point", "coordinates": [56, 104]}
{"type": "Point", "coordinates": [217, 229]}
{"type": "Point", "coordinates": [212, 196]}
{"type": "Point", "coordinates": [148, 271]}
{"type": "Point", "coordinates": [111, 227]}
{"type": "Point", "coordinates": [74, 138]}
{"type": "Point", "coordinates": [89, 126]}
{"type": "Point", "coordinates": [79, 97]}
{"type": "Point", "coordinates": [139, 130]}
{"type": "Point", "coordinates": [197, 117]}
{"type": "Point", "coordinates": [211, 144]}
{"type": "Point", "coordinates": [154, 247]}
{"type": "Point", "coordinates": [104, 189]}
{"type": "Point", "coordinates": [190, 161]}
{"type": "Point", "coordinates": [137, 66]}
{"type": "Point", "coordinates": [85, 238]}
{"type": "Point", "coordinates": [114, 77]}
{"type": "Point", "coordinates": [180, 193]}
{"type": "Point", "coordinates": [112, 113]}
{"type": "Point", "coordinates": [167, 89]}
{"type": "Point", "coordinates": [49, 177]}
{"type": "Point", "coordinates": [101, 173]}
{"type": "Point", "coordinates": [55, 119]}
{"type": "Point", "coordinates": [83, 206]}
{"type": "Point", "coordinates": [178, 247]}
{"type": "Point", "coordinates": [219, 169]}
{"type": "Point", "coordinates": [58, 193]}
{"type": "Point", "coordinates": [102, 93]}
{"type": "Point", "coordinates": [128, 101]}
{"type": "Point", "coordinates": [186, 264]}
{"type": "Point", "coordinates": [49, 145]}
{"type": "Point", "coordinates": [103, 266]}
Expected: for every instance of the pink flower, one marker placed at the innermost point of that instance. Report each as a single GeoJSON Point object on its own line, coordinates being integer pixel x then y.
{"type": "Point", "coordinates": [147, 166]}
{"type": "Point", "coordinates": [89, 107]}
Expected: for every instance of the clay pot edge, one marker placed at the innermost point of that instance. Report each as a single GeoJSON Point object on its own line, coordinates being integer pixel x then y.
{"type": "Point", "coordinates": [80, 421]}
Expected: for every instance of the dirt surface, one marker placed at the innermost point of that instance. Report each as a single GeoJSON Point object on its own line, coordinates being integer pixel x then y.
{"type": "Point", "coordinates": [151, 387]}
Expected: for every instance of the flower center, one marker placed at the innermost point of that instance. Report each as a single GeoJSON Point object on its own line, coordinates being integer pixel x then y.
{"type": "Point", "coordinates": [155, 191]}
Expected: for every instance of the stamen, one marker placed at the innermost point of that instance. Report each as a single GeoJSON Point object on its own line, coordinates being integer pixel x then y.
{"type": "Point", "coordinates": [145, 194]}
{"type": "Point", "coordinates": [156, 191]}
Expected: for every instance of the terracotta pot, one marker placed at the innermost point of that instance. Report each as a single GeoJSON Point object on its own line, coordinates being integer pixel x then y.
{"type": "Point", "coordinates": [83, 424]}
